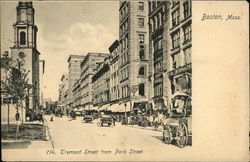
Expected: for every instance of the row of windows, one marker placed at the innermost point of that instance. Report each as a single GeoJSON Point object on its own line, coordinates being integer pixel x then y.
{"type": "Point", "coordinates": [158, 89]}
{"type": "Point", "coordinates": [180, 59]}
{"type": "Point", "coordinates": [153, 5]}
{"type": "Point", "coordinates": [158, 66]}
{"type": "Point", "coordinates": [124, 27]}
{"type": "Point", "coordinates": [115, 92]}
{"type": "Point", "coordinates": [124, 11]}
{"type": "Point", "coordinates": [124, 58]}
{"type": "Point", "coordinates": [187, 35]}
{"type": "Point", "coordinates": [125, 73]}
{"type": "Point", "coordinates": [156, 21]}
{"type": "Point", "coordinates": [125, 91]}
{"type": "Point", "coordinates": [124, 43]}
{"type": "Point", "coordinates": [186, 12]}
{"type": "Point", "coordinates": [115, 74]}
{"type": "Point", "coordinates": [157, 45]}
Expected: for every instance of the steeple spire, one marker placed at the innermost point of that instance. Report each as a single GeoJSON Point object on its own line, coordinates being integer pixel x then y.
{"type": "Point", "coordinates": [25, 28]}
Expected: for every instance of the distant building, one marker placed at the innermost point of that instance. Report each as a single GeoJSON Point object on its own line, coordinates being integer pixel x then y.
{"type": "Point", "coordinates": [76, 94]}
{"type": "Point", "coordinates": [25, 48]}
{"type": "Point", "coordinates": [88, 68]}
{"type": "Point", "coordinates": [134, 58]}
{"type": "Point", "coordinates": [114, 72]}
{"type": "Point", "coordinates": [41, 79]}
{"type": "Point", "coordinates": [115, 52]}
{"type": "Point", "coordinates": [74, 62]}
{"type": "Point", "coordinates": [63, 90]}
{"type": "Point", "coordinates": [101, 84]}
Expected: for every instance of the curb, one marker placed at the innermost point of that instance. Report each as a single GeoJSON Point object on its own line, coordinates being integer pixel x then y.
{"type": "Point", "coordinates": [48, 135]}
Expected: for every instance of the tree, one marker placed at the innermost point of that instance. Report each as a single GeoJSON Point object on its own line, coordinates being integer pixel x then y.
{"type": "Point", "coordinates": [14, 81]}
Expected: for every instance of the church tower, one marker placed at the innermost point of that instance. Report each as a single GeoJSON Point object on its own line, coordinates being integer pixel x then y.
{"type": "Point", "coordinates": [24, 49]}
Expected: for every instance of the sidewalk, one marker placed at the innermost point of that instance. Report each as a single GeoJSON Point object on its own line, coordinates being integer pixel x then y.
{"type": "Point", "coordinates": [28, 143]}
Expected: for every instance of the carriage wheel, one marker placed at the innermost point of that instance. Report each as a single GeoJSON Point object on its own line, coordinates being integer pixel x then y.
{"type": "Point", "coordinates": [182, 135]}
{"type": "Point", "coordinates": [167, 135]}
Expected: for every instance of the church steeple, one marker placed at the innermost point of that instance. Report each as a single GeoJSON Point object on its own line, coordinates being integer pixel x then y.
{"type": "Point", "coordinates": [25, 38]}
{"type": "Point", "coordinates": [25, 28]}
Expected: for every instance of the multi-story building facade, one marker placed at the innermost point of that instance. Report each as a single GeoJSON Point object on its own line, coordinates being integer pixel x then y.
{"type": "Point", "coordinates": [114, 78]}
{"type": "Point", "coordinates": [74, 73]}
{"type": "Point", "coordinates": [114, 72]}
{"type": "Point", "coordinates": [133, 59]}
{"type": "Point", "coordinates": [76, 94]}
{"type": "Point", "coordinates": [181, 36]}
{"type": "Point", "coordinates": [41, 81]}
{"type": "Point", "coordinates": [63, 88]}
{"type": "Point", "coordinates": [88, 68]}
{"type": "Point", "coordinates": [159, 40]}
{"type": "Point", "coordinates": [25, 48]}
{"type": "Point", "coordinates": [101, 84]}
{"type": "Point", "coordinates": [60, 99]}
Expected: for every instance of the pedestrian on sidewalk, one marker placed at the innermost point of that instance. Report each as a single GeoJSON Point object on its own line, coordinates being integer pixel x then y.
{"type": "Point", "coordinates": [151, 120]}
{"type": "Point", "coordinates": [51, 119]}
{"type": "Point", "coordinates": [17, 116]}
{"type": "Point", "coordinates": [114, 119]}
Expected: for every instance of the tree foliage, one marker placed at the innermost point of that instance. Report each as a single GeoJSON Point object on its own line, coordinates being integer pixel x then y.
{"type": "Point", "coordinates": [14, 79]}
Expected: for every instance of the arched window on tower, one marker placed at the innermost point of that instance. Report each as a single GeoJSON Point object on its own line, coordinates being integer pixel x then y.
{"type": "Point", "coordinates": [22, 38]}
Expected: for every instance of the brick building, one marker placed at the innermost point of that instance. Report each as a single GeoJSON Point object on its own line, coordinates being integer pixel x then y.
{"type": "Point", "coordinates": [134, 59]}
{"type": "Point", "coordinates": [170, 51]}
{"type": "Point", "coordinates": [159, 40]}
{"type": "Point", "coordinates": [114, 76]}
{"type": "Point", "coordinates": [101, 84]}
{"type": "Point", "coordinates": [76, 90]}
{"type": "Point", "coordinates": [63, 89]}
{"type": "Point", "coordinates": [88, 67]}
{"type": "Point", "coordinates": [74, 62]}
{"type": "Point", "coordinates": [181, 37]}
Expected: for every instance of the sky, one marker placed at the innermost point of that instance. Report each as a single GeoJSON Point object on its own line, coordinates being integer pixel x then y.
{"type": "Point", "coordinates": [65, 28]}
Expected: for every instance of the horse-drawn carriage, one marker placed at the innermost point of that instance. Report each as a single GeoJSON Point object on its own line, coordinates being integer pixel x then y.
{"type": "Point", "coordinates": [179, 124]}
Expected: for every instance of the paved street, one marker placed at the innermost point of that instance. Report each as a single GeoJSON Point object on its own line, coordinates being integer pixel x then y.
{"type": "Point", "coordinates": [74, 140]}
{"type": "Point", "coordinates": [66, 133]}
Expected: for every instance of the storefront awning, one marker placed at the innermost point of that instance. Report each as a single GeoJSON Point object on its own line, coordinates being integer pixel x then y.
{"type": "Point", "coordinates": [124, 107]}
{"type": "Point", "coordinates": [113, 107]}
{"type": "Point", "coordinates": [103, 107]}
